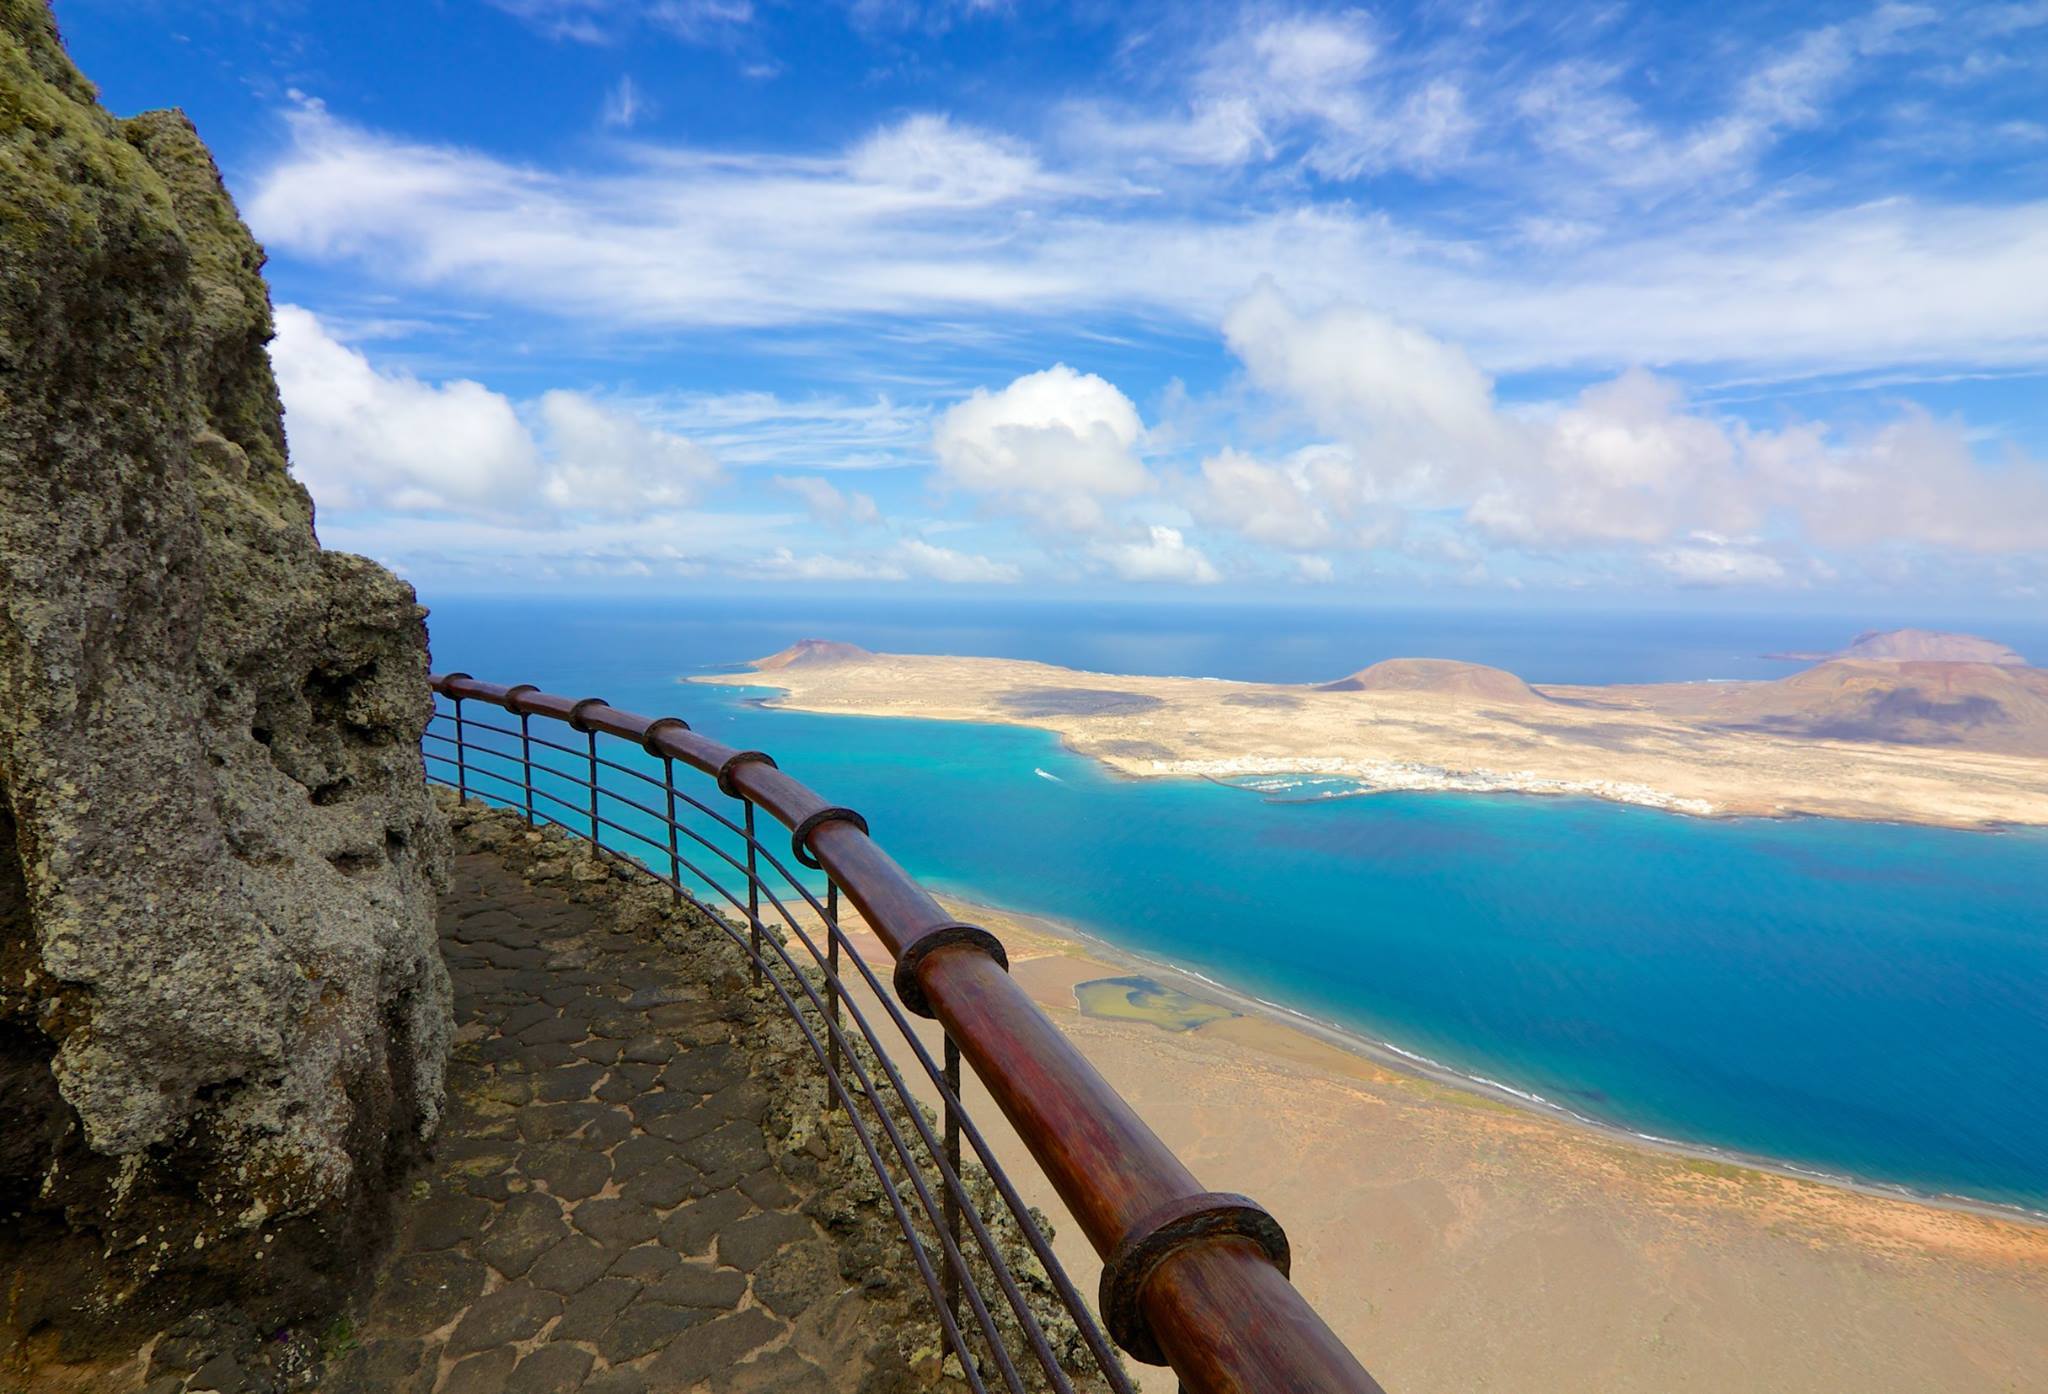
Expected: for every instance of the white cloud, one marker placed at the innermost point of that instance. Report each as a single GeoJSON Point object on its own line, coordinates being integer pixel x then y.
{"type": "Point", "coordinates": [1306, 85]}
{"type": "Point", "coordinates": [1419, 407]}
{"type": "Point", "coordinates": [828, 503]}
{"type": "Point", "coordinates": [1718, 566]}
{"type": "Point", "coordinates": [1575, 111]}
{"type": "Point", "coordinates": [1053, 445]}
{"type": "Point", "coordinates": [683, 237]}
{"type": "Point", "coordinates": [1282, 505]}
{"type": "Point", "coordinates": [922, 558]}
{"type": "Point", "coordinates": [910, 559]}
{"type": "Point", "coordinates": [362, 438]}
{"type": "Point", "coordinates": [927, 158]}
{"type": "Point", "coordinates": [816, 433]}
{"type": "Point", "coordinates": [608, 21]}
{"type": "Point", "coordinates": [611, 461]}
{"type": "Point", "coordinates": [784, 565]}
{"type": "Point", "coordinates": [1914, 481]}
{"type": "Point", "coordinates": [1625, 465]}
{"type": "Point", "coordinates": [1162, 555]}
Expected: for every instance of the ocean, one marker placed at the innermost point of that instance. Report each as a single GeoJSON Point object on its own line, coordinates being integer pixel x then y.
{"type": "Point", "coordinates": [1862, 1000]}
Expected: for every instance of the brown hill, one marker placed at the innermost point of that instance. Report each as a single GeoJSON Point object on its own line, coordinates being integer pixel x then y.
{"type": "Point", "coordinates": [1440, 675]}
{"type": "Point", "coordinates": [1917, 646]}
{"type": "Point", "coordinates": [1984, 706]}
{"type": "Point", "coordinates": [811, 653]}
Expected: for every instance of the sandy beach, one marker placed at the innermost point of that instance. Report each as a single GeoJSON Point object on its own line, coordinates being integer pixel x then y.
{"type": "Point", "coordinates": [1465, 1242]}
{"type": "Point", "coordinates": [1707, 750]}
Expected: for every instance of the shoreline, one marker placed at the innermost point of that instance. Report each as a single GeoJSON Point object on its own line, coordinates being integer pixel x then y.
{"type": "Point", "coordinates": [1637, 746]}
{"type": "Point", "coordinates": [1389, 1056]}
{"type": "Point", "coordinates": [777, 695]}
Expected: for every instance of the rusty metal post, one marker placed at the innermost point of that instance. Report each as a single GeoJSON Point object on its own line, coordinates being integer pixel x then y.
{"type": "Point", "coordinates": [593, 794]}
{"type": "Point", "coordinates": [753, 893]}
{"type": "Point", "coordinates": [461, 756]}
{"type": "Point", "coordinates": [952, 1142]}
{"type": "Point", "coordinates": [832, 976]}
{"type": "Point", "coordinates": [675, 860]}
{"type": "Point", "coordinates": [526, 765]}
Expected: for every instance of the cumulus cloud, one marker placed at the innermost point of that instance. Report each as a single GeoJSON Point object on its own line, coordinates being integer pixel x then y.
{"type": "Point", "coordinates": [1628, 464]}
{"type": "Point", "coordinates": [1282, 505]}
{"type": "Point", "coordinates": [1163, 554]}
{"type": "Point", "coordinates": [830, 504]}
{"type": "Point", "coordinates": [1420, 408]}
{"type": "Point", "coordinates": [1053, 445]}
{"type": "Point", "coordinates": [1914, 480]}
{"type": "Point", "coordinates": [1623, 463]}
{"type": "Point", "coordinates": [922, 558]}
{"type": "Point", "coordinates": [364, 437]}
{"type": "Point", "coordinates": [610, 461]}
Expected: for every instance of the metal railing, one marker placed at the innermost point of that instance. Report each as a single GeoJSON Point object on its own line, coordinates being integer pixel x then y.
{"type": "Point", "coordinates": [1191, 1278]}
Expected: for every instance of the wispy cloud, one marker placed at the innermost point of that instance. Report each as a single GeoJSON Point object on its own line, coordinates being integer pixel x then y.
{"type": "Point", "coordinates": [609, 21]}
{"type": "Point", "coordinates": [928, 218]}
{"type": "Point", "coordinates": [624, 106]}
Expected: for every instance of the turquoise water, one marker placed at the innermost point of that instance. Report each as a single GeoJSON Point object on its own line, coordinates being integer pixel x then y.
{"type": "Point", "coordinates": [1860, 999]}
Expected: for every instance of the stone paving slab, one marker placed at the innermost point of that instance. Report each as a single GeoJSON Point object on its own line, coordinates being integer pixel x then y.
{"type": "Point", "coordinates": [604, 1210]}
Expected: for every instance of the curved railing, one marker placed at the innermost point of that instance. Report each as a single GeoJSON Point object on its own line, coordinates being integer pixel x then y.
{"type": "Point", "coordinates": [1191, 1278]}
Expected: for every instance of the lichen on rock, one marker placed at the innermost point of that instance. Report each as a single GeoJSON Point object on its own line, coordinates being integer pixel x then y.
{"type": "Point", "coordinates": [223, 1014]}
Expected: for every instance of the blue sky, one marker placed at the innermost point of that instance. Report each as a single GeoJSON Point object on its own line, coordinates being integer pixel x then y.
{"type": "Point", "coordinates": [1743, 305]}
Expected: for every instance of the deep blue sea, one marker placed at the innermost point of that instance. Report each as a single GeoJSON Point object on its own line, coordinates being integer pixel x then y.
{"type": "Point", "coordinates": [1860, 999]}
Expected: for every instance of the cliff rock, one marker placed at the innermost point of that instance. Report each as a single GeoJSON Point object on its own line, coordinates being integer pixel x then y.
{"type": "Point", "coordinates": [223, 1015]}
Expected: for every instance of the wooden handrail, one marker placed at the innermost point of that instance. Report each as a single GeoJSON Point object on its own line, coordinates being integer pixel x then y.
{"type": "Point", "coordinates": [1191, 1279]}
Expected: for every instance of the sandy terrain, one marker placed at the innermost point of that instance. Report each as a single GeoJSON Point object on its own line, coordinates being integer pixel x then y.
{"type": "Point", "coordinates": [1460, 1243]}
{"type": "Point", "coordinates": [1704, 749]}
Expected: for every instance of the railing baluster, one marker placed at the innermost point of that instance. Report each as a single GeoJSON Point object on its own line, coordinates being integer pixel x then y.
{"type": "Point", "coordinates": [952, 1203]}
{"type": "Point", "coordinates": [753, 892]}
{"type": "Point", "coordinates": [832, 975]}
{"type": "Point", "coordinates": [461, 756]}
{"type": "Point", "coordinates": [526, 765]}
{"type": "Point", "coordinates": [593, 791]}
{"type": "Point", "coordinates": [675, 861]}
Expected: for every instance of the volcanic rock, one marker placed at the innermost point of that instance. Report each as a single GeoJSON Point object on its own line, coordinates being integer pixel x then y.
{"type": "Point", "coordinates": [809, 653]}
{"type": "Point", "coordinates": [223, 1014]}
{"type": "Point", "coordinates": [1439, 675]}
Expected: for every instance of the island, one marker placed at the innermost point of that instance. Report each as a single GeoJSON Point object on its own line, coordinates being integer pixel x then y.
{"type": "Point", "coordinates": [1948, 741]}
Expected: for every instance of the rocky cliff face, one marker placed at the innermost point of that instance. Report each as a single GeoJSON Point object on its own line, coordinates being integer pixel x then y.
{"type": "Point", "coordinates": [223, 1016]}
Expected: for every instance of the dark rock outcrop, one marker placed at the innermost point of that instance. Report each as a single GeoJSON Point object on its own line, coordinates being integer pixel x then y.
{"type": "Point", "coordinates": [223, 1016]}
{"type": "Point", "coordinates": [812, 653]}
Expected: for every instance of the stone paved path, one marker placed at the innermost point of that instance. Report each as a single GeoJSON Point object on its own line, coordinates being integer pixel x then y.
{"type": "Point", "coordinates": [604, 1211]}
